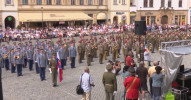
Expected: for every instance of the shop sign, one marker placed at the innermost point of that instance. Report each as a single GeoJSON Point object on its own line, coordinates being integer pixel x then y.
{"type": "Point", "coordinates": [119, 13]}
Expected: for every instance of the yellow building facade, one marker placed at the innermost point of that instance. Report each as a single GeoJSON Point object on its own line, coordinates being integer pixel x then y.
{"type": "Point", "coordinates": [47, 13]}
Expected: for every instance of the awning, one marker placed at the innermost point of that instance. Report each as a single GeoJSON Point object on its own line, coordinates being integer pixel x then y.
{"type": "Point", "coordinates": [101, 16]}
{"type": "Point", "coordinates": [37, 17]}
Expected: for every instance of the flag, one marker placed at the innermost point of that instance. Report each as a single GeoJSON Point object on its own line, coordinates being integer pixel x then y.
{"type": "Point", "coordinates": [59, 68]}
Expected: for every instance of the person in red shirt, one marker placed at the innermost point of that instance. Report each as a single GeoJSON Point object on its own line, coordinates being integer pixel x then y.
{"type": "Point", "coordinates": [129, 60]}
{"type": "Point", "coordinates": [132, 85]}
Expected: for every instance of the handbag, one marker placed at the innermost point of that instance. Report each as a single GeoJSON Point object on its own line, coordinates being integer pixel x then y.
{"type": "Point", "coordinates": [169, 96]}
{"type": "Point", "coordinates": [79, 89]}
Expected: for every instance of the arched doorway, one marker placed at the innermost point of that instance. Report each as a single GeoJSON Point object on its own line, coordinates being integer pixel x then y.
{"type": "Point", "coordinates": [115, 20]}
{"type": "Point", "coordinates": [10, 22]}
{"type": "Point", "coordinates": [164, 19]}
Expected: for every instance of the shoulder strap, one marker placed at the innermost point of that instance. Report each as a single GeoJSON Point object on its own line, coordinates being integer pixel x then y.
{"type": "Point", "coordinates": [131, 85]}
{"type": "Point", "coordinates": [81, 79]}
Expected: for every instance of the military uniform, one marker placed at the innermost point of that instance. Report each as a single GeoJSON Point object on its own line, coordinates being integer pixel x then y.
{"type": "Point", "coordinates": [42, 63]}
{"type": "Point", "coordinates": [63, 56]}
{"type": "Point", "coordinates": [19, 62]}
{"type": "Point", "coordinates": [79, 49]}
{"type": "Point", "coordinates": [110, 83]}
{"type": "Point", "coordinates": [35, 59]}
{"type": "Point", "coordinates": [53, 67]}
{"type": "Point", "coordinates": [6, 60]}
{"type": "Point", "coordinates": [101, 52]}
{"type": "Point", "coordinates": [88, 54]}
{"type": "Point", "coordinates": [30, 54]}
{"type": "Point", "coordinates": [12, 61]}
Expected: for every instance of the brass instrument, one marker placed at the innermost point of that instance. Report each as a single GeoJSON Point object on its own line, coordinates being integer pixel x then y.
{"type": "Point", "coordinates": [93, 46]}
{"type": "Point", "coordinates": [150, 47]}
{"type": "Point", "coordinates": [6, 55]}
{"type": "Point", "coordinates": [16, 57]}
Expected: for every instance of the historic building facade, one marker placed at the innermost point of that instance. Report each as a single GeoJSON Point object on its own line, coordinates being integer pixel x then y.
{"type": "Point", "coordinates": [9, 13]}
{"type": "Point", "coordinates": [47, 13]}
{"type": "Point", "coordinates": [189, 12]}
{"type": "Point", "coordinates": [163, 11]}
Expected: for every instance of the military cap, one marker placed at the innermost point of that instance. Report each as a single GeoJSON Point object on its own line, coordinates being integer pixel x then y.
{"type": "Point", "coordinates": [109, 66]}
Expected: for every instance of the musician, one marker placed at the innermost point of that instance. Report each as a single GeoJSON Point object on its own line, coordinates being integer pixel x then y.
{"type": "Point", "coordinates": [88, 53]}
{"type": "Point", "coordinates": [36, 53]}
{"type": "Point", "coordinates": [19, 61]}
{"type": "Point", "coordinates": [12, 61]}
{"type": "Point", "coordinates": [5, 56]}
{"type": "Point", "coordinates": [42, 63]}
{"type": "Point", "coordinates": [63, 55]}
{"type": "Point", "coordinates": [30, 58]}
{"type": "Point", "coordinates": [24, 52]}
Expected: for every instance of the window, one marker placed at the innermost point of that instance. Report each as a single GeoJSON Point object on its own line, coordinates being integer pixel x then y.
{"type": "Point", "coordinates": [81, 2]}
{"type": "Point", "coordinates": [176, 20]}
{"type": "Point", "coordinates": [73, 2]}
{"type": "Point", "coordinates": [58, 2]}
{"type": "Point", "coordinates": [145, 3]}
{"type": "Point", "coordinates": [25, 2]}
{"type": "Point", "coordinates": [123, 2]}
{"type": "Point", "coordinates": [38, 2]}
{"type": "Point", "coordinates": [114, 2]}
{"type": "Point", "coordinates": [151, 3]}
{"type": "Point", "coordinates": [8, 2]}
{"type": "Point", "coordinates": [180, 3]}
{"type": "Point", "coordinates": [100, 2]}
{"type": "Point", "coordinates": [153, 20]}
{"type": "Point", "coordinates": [169, 3]}
{"type": "Point", "coordinates": [162, 3]}
{"type": "Point", "coordinates": [143, 17]}
{"type": "Point", "coordinates": [49, 2]}
{"type": "Point", "coordinates": [89, 2]}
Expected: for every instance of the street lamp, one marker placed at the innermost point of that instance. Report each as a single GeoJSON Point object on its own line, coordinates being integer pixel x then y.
{"type": "Point", "coordinates": [42, 18]}
{"type": "Point", "coordinates": [140, 13]}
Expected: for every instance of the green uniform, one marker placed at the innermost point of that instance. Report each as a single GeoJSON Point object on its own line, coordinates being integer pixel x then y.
{"type": "Point", "coordinates": [110, 83]}
{"type": "Point", "coordinates": [101, 52]}
{"type": "Point", "coordinates": [79, 49]}
{"type": "Point", "coordinates": [88, 54]}
{"type": "Point", "coordinates": [53, 66]}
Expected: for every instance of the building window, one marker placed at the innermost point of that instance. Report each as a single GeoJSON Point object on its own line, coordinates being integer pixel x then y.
{"type": "Point", "coordinates": [81, 2]}
{"type": "Point", "coordinates": [58, 2]}
{"type": "Point", "coordinates": [100, 2]}
{"type": "Point", "coordinates": [49, 2]}
{"type": "Point", "coordinates": [8, 2]}
{"type": "Point", "coordinates": [123, 2]}
{"type": "Point", "coordinates": [145, 3]}
{"type": "Point", "coordinates": [162, 3]}
{"type": "Point", "coordinates": [169, 3]}
{"type": "Point", "coordinates": [153, 20]}
{"type": "Point", "coordinates": [25, 2]}
{"type": "Point", "coordinates": [143, 18]}
{"type": "Point", "coordinates": [176, 20]}
{"type": "Point", "coordinates": [89, 2]}
{"type": "Point", "coordinates": [38, 2]}
{"type": "Point", "coordinates": [114, 2]}
{"type": "Point", "coordinates": [180, 3]}
{"type": "Point", "coordinates": [183, 20]}
{"type": "Point", "coordinates": [151, 3]}
{"type": "Point", "coordinates": [73, 2]}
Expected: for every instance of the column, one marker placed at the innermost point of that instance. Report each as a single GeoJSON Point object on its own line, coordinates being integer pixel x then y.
{"type": "Point", "coordinates": [180, 19]}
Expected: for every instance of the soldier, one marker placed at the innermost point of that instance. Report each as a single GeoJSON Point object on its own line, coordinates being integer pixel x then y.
{"type": "Point", "coordinates": [12, 61]}
{"type": "Point", "coordinates": [53, 68]}
{"type": "Point", "coordinates": [5, 56]}
{"type": "Point", "coordinates": [95, 49]}
{"type": "Point", "coordinates": [101, 52]}
{"type": "Point", "coordinates": [142, 50]}
{"type": "Point", "coordinates": [35, 59]}
{"type": "Point", "coordinates": [42, 63]}
{"type": "Point", "coordinates": [125, 50]}
{"type": "Point", "coordinates": [24, 52]}
{"type": "Point", "coordinates": [105, 50]}
{"type": "Point", "coordinates": [88, 53]}
{"type": "Point", "coordinates": [19, 61]}
{"type": "Point", "coordinates": [110, 82]}
{"type": "Point", "coordinates": [83, 49]}
{"type": "Point", "coordinates": [49, 53]}
{"type": "Point", "coordinates": [113, 48]}
{"type": "Point", "coordinates": [30, 54]}
{"type": "Point", "coordinates": [63, 55]}
{"type": "Point", "coordinates": [72, 55]}
{"type": "Point", "coordinates": [79, 49]}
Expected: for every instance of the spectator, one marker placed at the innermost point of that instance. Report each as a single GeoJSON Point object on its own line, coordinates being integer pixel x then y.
{"type": "Point", "coordinates": [72, 55]}
{"type": "Point", "coordinates": [132, 85]}
{"type": "Point", "coordinates": [110, 82]}
{"type": "Point", "coordinates": [146, 58]}
{"type": "Point", "coordinates": [157, 78]}
{"type": "Point", "coordinates": [125, 74]}
{"type": "Point", "coordinates": [129, 60]}
{"type": "Point", "coordinates": [142, 73]}
{"type": "Point", "coordinates": [86, 84]}
{"type": "Point", "coordinates": [150, 72]}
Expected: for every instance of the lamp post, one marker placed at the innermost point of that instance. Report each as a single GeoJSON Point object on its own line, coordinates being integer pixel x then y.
{"type": "Point", "coordinates": [42, 18]}
{"type": "Point", "coordinates": [140, 13]}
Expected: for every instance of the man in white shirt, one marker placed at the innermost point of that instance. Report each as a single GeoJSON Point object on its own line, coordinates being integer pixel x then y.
{"type": "Point", "coordinates": [86, 84]}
